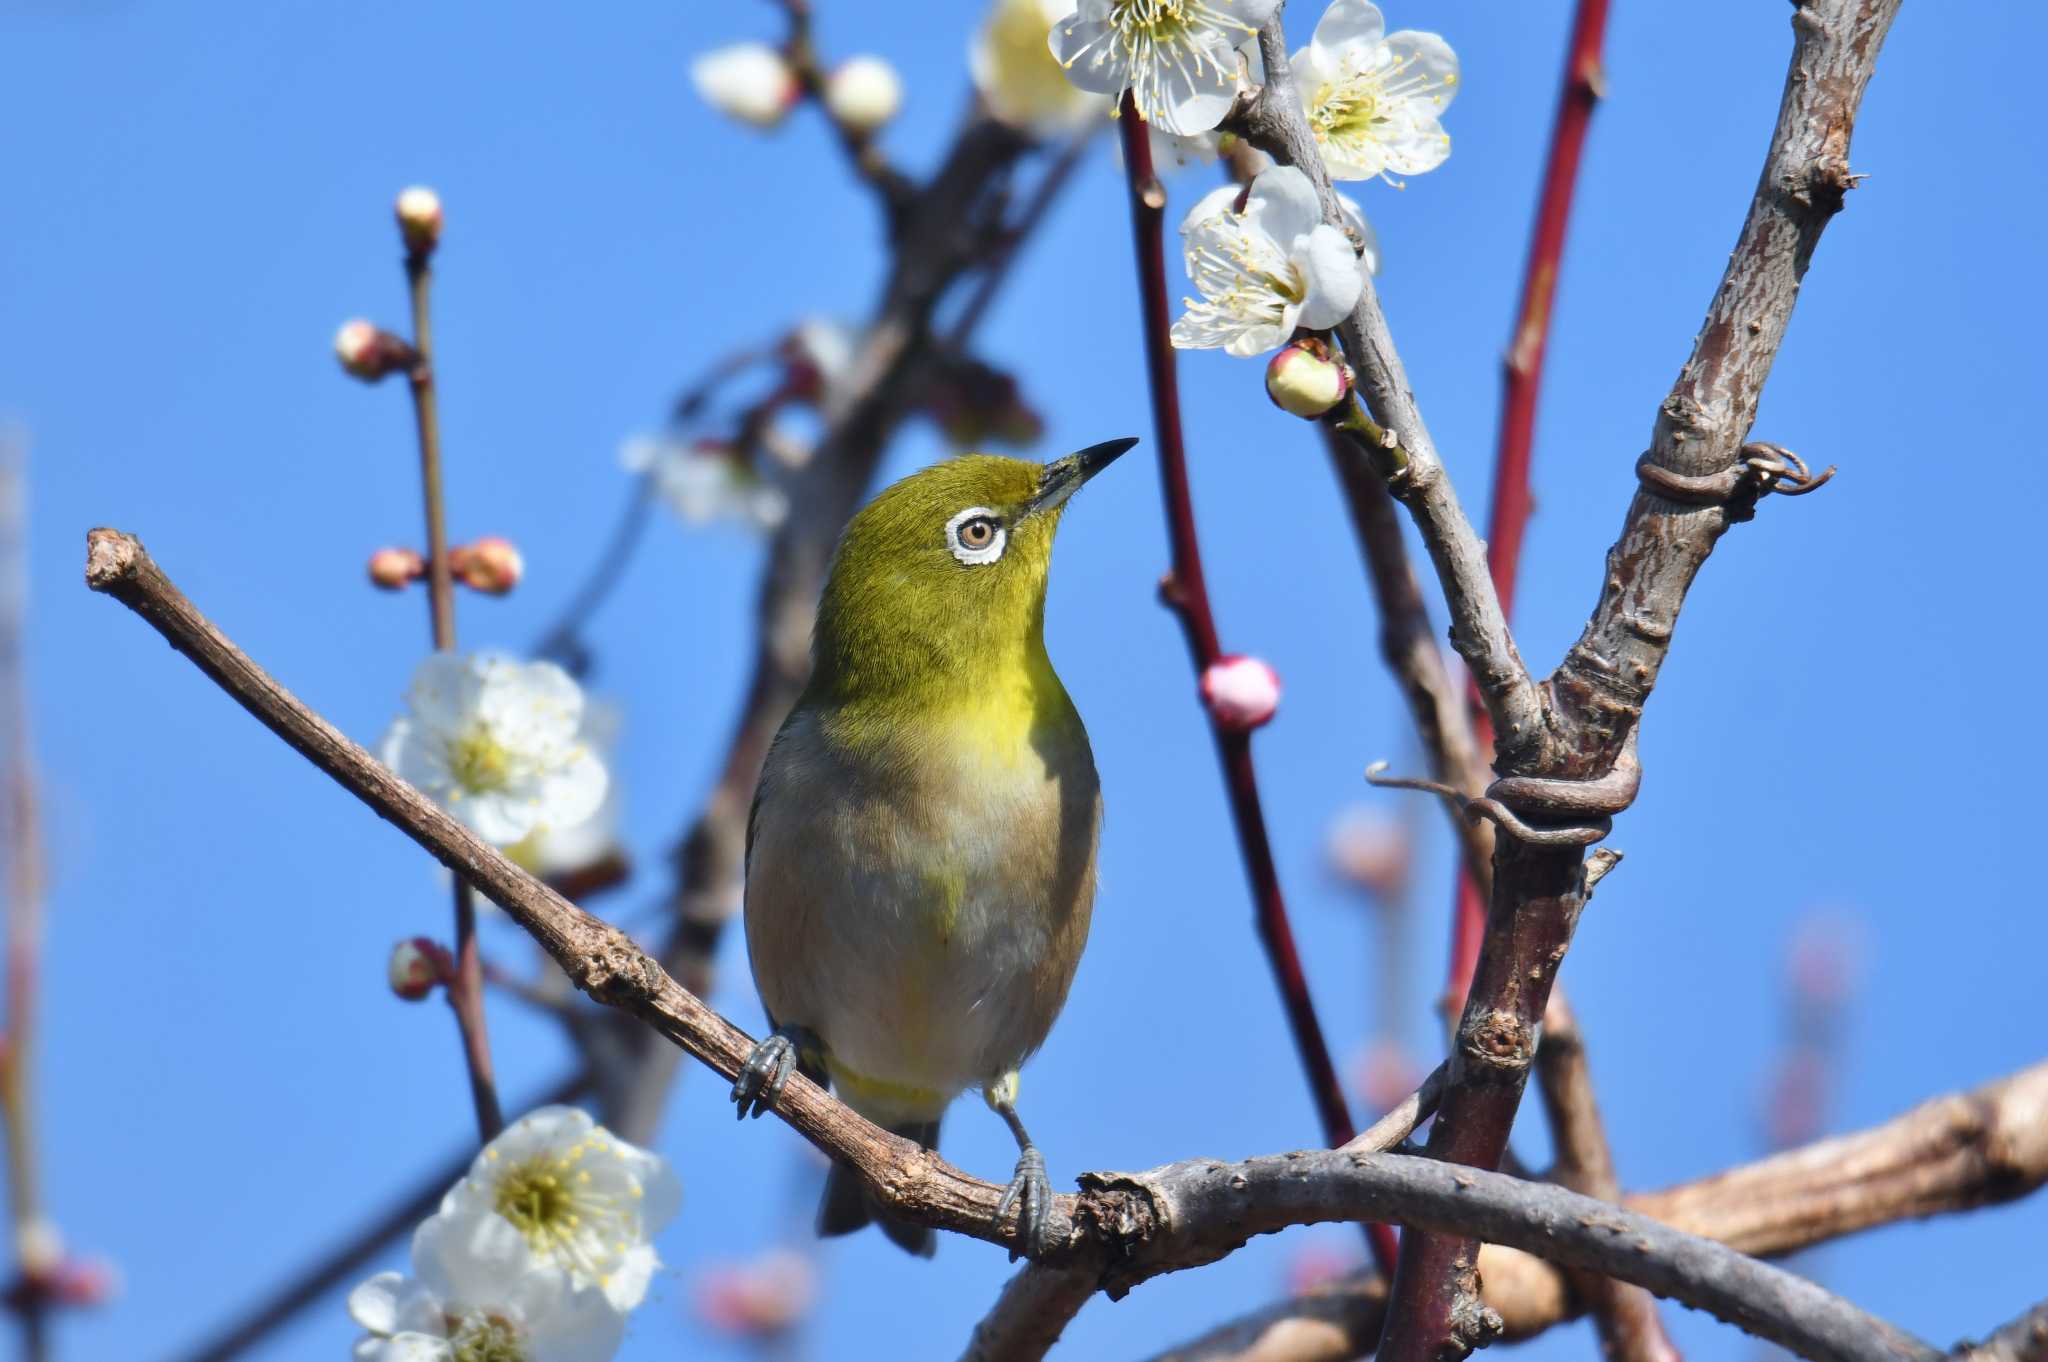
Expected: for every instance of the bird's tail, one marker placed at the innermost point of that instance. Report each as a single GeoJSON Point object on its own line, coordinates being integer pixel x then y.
{"type": "Point", "coordinates": [847, 1205]}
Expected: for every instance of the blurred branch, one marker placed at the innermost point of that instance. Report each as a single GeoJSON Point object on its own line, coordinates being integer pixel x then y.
{"type": "Point", "coordinates": [466, 989]}
{"type": "Point", "coordinates": [1128, 1226]}
{"type": "Point", "coordinates": [1952, 1154]}
{"type": "Point", "coordinates": [892, 187]}
{"type": "Point", "coordinates": [37, 1251]}
{"type": "Point", "coordinates": [1185, 591]}
{"type": "Point", "coordinates": [1625, 1316]}
{"type": "Point", "coordinates": [355, 1250]}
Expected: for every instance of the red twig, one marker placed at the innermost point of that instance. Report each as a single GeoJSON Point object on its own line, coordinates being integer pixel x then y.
{"type": "Point", "coordinates": [1187, 593]}
{"type": "Point", "coordinates": [1521, 383]}
{"type": "Point", "coordinates": [466, 990]}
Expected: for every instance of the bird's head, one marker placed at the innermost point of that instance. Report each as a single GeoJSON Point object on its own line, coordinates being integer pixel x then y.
{"type": "Point", "coordinates": [942, 576]}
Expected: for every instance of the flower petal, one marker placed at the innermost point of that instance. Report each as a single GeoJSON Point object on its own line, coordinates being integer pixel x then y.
{"type": "Point", "coordinates": [1347, 35]}
{"type": "Point", "coordinates": [1283, 204]}
{"type": "Point", "coordinates": [1331, 270]}
{"type": "Point", "coordinates": [1082, 46]}
{"type": "Point", "coordinates": [1218, 200]}
{"type": "Point", "coordinates": [1428, 59]}
{"type": "Point", "coordinates": [1354, 218]}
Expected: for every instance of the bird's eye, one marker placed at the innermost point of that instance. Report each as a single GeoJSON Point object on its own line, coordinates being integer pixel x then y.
{"type": "Point", "coordinates": [976, 536]}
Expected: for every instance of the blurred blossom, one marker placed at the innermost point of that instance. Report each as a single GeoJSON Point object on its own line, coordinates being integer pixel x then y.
{"type": "Point", "coordinates": [531, 1317]}
{"type": "Point", "coordinates": [417, 967]}
{"type": "Point", "coordinates": [1373, 99]}
{"type": "Point", "coordinates": [497, 743]}
{"type": "Point", "coordinates": [748, 81]}
{"type": "Point", "coordinates": [705, 480]}
{"type": "Point", "coordinates": [1265, 269]}
{"type": "Point", "coordinates": [1180, 61]}
{"type": "Point", "coordinates": [758, 1299]}
{"type": "Point", "coordinates": [395, 569]}
{"type": "Point", "coordinates": [555, 1195]}
{"type": "Point", "coordinates": [1373, 850]}
{"type": "Point", "coordinates": [1385, 1076]}
{"type": "Point", "coordinates": [819, 353]}
{"type": "Point", "coordinates": [976, 404]}
{"type": "Point", "coordinates": [1825, 958]}
{"type": "Point", "coordinates": [1318, 1264]}
{"type": "Point", "coordinates": [1014, 69]}
{"type": "Point", "coordinates": [492, 565]}
{"type": "Point", "coordinates": [864, 93]}
{"type": "Point", "coordinates": [368, 352]}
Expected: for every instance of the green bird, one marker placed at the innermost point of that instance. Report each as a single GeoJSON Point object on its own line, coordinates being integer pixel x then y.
{"type": "Point", "coordinates": [921, 850]}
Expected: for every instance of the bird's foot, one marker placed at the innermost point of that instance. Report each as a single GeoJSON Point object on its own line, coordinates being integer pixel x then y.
{"type": "Point", "coordinates": [1031, 1193]}
{"type": "Point", "coordinates": [762, 1078]}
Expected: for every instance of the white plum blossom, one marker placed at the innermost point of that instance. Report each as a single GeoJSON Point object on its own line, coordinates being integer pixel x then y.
{"type": "Point", "coordinates": [554, 1194]}
{"type": "Point", "coordinates": [748, 81]}
{"type": "Point", "coordinates": [497, 743]}
{"type": "Point", "coordinates": [1265, 269]}
{"type": "Point", "coordinates": [535, 1317]}
{"type": "Point", "coordinates": [1373, 99]}
{"type": "Point", "coordinates": [1178, 58]}
{"type": "Point", "coordinates": [705, 480]}
{"type": "Point", "coordinates": [1014, 69]}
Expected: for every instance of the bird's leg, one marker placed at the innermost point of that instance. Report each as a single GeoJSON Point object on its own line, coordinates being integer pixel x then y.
{"type": "Point", "coordinates": [1029, 1191]}
{"type": "Point", "coordinates": [767, 1070]}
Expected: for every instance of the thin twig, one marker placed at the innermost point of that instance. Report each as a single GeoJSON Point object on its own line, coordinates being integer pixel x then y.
{"type": "Point", "coordinates": [1186, 592]}
{"type": "Point", "coordinates": [2023, 1340]}
{"type": "Point", "coordinates": [466, 990]}
{"type": "Point", "coordinates": [1131, 1226]}
{"type": "Point", "coordinates": [863, 153]}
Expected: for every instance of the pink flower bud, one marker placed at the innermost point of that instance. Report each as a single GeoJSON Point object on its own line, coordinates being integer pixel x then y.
{"type": "Point", "coordinates": [1241, 692]}
{"type": "Point", "coordinates": [760, 1299]}
{"type": "Point", "coordinates": [396, 569]}
{"type": "Point", "coordinates": [83, 1283]}
{"type": "Point", "coordinates": [418, 967]}
{"type": "Point", "coordinates": [419, 219]}
{"type": "Point", "coordinates": [369, 353]}
{"type": "Point", "coordinates": [490, 565]}
{"type": "Point", "coordinates": [1319, 1265]}
{"type": "Point", "coordinates": [1307, 378]}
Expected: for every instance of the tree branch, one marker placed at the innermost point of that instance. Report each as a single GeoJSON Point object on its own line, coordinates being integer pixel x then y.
{"type": "Point", "coordinates": [1950, 1154]}
{"type": "Point", "coordinates": [2023, 1340]}
{"type": "Point", "coordinates": [1130, 1227]}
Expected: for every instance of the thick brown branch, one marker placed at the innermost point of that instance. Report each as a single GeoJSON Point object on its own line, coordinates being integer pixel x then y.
{"type": "Point", "coordinates": [1128, 1227]}
{"type": "Point", "coordinates": [1951, 1154]}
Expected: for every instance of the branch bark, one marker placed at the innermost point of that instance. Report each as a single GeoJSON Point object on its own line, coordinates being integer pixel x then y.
{"type": "Point", "coordinates": [2023, 1340]}
{"type": "Point", "coordinates": [1127, 1227]}
{"type": "Point", "coordinates": [1950, 1154]}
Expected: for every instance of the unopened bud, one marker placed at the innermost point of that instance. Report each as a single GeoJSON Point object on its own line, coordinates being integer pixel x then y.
{"type": "Point", "coordinates": [369, 353]}
{"type": "Point", "coordinates": [864, 93]}
{"type": "Point", "coordinates": [418, 966]}
{"type": "Point", "coordinates": [1306, 378]}
{"type": "Point", "coordinates": [83, 1283]}
{"type": "Point", "coordinates": [419, 219]}
{"type": "Point", "coordinates": [490, 565]}
{"type": "Point", "coordinates": [396, 569]}
{"type": "Point", "coordinates": [748, 81]}
{"type": "Point", "coordinates": [1241, 692]}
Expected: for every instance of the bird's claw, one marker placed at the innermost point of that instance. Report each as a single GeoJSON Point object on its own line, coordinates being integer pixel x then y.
{"type": "Point", "coordinates": [762, 1078]}
{"type": "Point", "coordinates": [1031, 1193]}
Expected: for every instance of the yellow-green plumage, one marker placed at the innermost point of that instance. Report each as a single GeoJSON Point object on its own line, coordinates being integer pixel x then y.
{"type": "Point", "coordinates": [921, 854]}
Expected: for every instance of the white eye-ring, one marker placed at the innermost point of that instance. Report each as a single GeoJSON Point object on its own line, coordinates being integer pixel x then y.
{"type": "Point", "coordinates": [976, 536]}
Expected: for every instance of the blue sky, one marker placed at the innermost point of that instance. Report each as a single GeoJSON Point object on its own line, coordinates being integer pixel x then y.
{"type": "Point", "coordinates": [199, 202]}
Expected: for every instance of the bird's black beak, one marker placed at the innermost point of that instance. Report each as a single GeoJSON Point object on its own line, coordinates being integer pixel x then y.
{"type": "Point", "coordinates": [1063, 477]}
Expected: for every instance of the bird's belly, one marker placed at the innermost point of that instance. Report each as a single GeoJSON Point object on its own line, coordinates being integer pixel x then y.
{"type": "Point", "coordinates": [929, 942]}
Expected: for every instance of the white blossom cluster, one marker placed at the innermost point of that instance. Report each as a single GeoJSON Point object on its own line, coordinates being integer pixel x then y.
{"type": "Point", "coordinates": [537, 1255]}
{"type": "Point", "coordinates": [1263, 260]}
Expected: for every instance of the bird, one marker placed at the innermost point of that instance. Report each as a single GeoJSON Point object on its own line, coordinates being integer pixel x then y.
{"type": "Point", "coordinates": [920, 859]}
